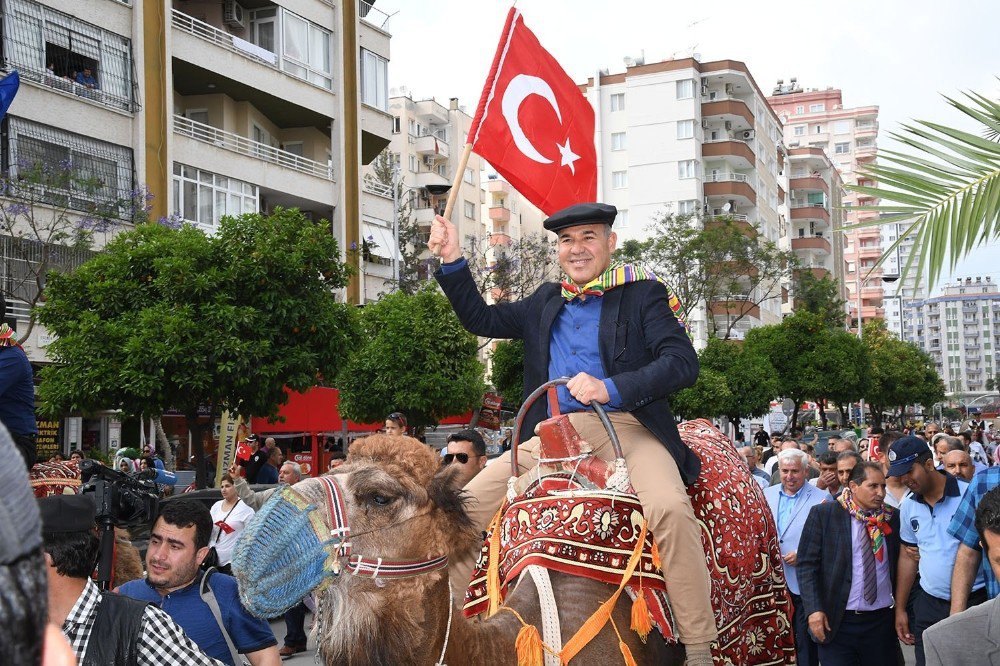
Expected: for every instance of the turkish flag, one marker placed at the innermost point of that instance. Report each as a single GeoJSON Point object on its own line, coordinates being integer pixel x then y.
{"type": "Point", "coordinates": [243, 451]}
{"type": "Point", "coordinates": [534, 125]}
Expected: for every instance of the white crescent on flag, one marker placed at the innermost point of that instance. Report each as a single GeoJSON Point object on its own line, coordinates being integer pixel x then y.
{"type": "Point", "coordinates": [519, 88]}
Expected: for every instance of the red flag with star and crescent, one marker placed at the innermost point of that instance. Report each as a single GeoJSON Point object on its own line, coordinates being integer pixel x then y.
{"type": "Point", "coordinates": [534, 125]}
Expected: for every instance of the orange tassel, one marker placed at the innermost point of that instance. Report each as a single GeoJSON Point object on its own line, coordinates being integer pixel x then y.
{"type": "Point", "coordinates": [655, 555]}
{"type": "Point", "coordinates": [529, 647]}
{"type": "Point", "coordinates": [626, 654]}
{"type": "Point", "coordinates": [641, 623]}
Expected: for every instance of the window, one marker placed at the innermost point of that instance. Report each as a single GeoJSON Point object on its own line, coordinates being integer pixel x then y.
{"type": "Point", "coordinates": [619, 180]}
{"type": "Point", "coordinates": [304, 46]}
{"type": "Point", "coordinates": [685, 129]}
{"type": "Point", "coordinates": [467, 176]}
{"type": "Point", "coordinates": [202, 197]}
{"type": "Point", "coordinates": [685, 169]}
{"type": "Point", "coordinates": [688, 207]}
{"type": "Point", "coordinates": [842, 148]}
{"type": "Point", "coordinates": [817, 129]}
{"type": "Point", "coordinates": [685, 89]}
{"type": "Point", "coordinates": [101, 172]}
{"type": "Point", "coordinates": [413, 163]}
{"type": "Point", "coordinates": [622, 220]}
{"type": "Point", "coordinates": [842, 127]}
{"type": "Point", "coordinates": [618, 102]}
{"type": "Point", "coordinates": [374, 80]}
{"type": "Point", "coordinates": [618, 141]}
{"type": "Point", "coordinates": [37, 37]}
{"type": "Point", "coordinates": [816, 108]}
{"type": "Point", "coordinates": [799, 110]}
{"type": "Point", "coordinates": [293, 147]}
{"type": "Point", "coordinates": [799, 130]}
{"type": "Point", "coordinates": [469, 209]}
{"type": "Point", "coordinates": [395, 125]}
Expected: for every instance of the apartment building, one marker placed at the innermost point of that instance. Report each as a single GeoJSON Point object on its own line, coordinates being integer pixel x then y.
{"type": "Point", "coordinates": [690, 137]}
{"type": "Point", "coordinates": [960, 329]}
{"type": "Point", "coordinates": [899, 293]}
{"type": "Point", "coordinates": [427, 142]}
{"type": "Point", "coordinates": [219, 108]}
{"type": "Point", "coordinates": [815, 200]}
{"type": "Point", "coordinates": [817, 119]}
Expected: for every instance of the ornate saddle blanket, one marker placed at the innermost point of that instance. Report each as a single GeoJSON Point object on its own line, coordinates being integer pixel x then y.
{"type": "Point", "coordinates": [55, 478]}
{"type": "Point", "coordinates": [592, 535]}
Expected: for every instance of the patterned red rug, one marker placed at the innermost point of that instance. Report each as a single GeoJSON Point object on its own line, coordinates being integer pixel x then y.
{"type": "Point", "coordinates": [594, 537]}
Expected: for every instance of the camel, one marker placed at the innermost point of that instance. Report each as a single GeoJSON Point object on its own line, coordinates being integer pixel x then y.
{"type": "Point", "coordinates": [402, 505]}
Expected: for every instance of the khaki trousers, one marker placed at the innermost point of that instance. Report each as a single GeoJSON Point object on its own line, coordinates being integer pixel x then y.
{"type": "Point", "coordinates": [664, 500]}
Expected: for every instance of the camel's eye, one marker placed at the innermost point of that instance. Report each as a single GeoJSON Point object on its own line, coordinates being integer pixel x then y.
{"type": "Point", "coordinates": [381, 500]}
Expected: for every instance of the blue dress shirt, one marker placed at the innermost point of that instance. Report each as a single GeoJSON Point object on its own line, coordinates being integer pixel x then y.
{"type": "Point", "coordinates": [786, 503]}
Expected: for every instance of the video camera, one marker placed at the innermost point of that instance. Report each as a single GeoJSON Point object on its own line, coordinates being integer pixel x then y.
{"type": "Point", "coordinates": [121, 499]}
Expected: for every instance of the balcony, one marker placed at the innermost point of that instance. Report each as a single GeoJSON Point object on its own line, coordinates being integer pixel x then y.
{"type": "Point", "coordinates": [737, 153]}
{"type": "Point", "coordinates": [735, 307]}
{"type": "Point", "coordinates": [244, 146]}
{"type": "Point", "coordinates": [730, 185]}
{"type": "Point", "coordinates": [810, 183]}
{"type": "Point", "coordinates": [223, 39]}
{"type": "Point", "coordinates": [425, 178]}
{"type": "Point", "coordinates": [431, 145]}
{"type": "Point", "coordinates": [500, 214]}
{"type": "Point", "coordinates": [499, 239]}
{"type": "Point", "coordinates": [817, 272]}
{"type": "Point", "coordinates": [869, 252]}
{"type": "Point", "coordinates": [734, 110]}
{"type": "Point", "coordinates": [815, 243]}
{"type": "Point", "coordinates": [810, 212]}
{"type": "Point", "coordinates": [741, 222]}
{"type": "Point", "coordinates": [495, 185]}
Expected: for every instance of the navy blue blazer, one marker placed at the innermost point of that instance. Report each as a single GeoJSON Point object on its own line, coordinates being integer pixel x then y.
{"type": "Point", "coordinates": [824, 561]}
{"type": "Point", "coordinates": [644, 350]}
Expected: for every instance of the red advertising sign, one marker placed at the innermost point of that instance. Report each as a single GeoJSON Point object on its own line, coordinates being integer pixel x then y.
{"type": "Point", "coordinates": [305, 460]}
{"type": "Point", "coordinates": [489, 414]}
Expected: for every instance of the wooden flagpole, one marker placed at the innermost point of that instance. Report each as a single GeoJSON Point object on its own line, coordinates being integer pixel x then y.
{"type": "Point", "coordinates": [457, 180]}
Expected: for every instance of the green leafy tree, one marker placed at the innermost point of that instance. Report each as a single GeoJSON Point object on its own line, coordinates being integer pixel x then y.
{"type": "Point", "coordinates": [820, 296]}
{"type": "Point", "coordinates": [174, 319]}
{"type": "Point", "coordinates": [508, 370]}
{"type": "Point", "coordinates": [416, 358]}
{"type": "Point", "coordinates": [708, 398]}
{"type": "Point", "coordinates": [714, 261]}
{"type": "Point", "coordinates": [512, 269]}
{"type": "Point", "coordinates": [900, 373]}
{"type": "Point", "coordinates": [947, 190]}
{"type": "Point", "coordinates": [810, 359]}
{"type": "Point", "coordinates": [749, 380]}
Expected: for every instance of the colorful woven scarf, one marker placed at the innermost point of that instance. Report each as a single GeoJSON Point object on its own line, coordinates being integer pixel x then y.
{"type": "Point", "coordinates": [877, 522]}
{"type": "Point", "coordinates": [7, 337]}
{"type": "Point", "coordinates": [616, 276]}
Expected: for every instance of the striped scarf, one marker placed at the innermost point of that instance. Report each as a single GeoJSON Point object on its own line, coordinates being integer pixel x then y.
{"type": "Point", "coordinates": [616, 276]}
{"type": "Point", "coordinates": [877, 522]}
{"type": "Point", "coordinates": [7, 337]}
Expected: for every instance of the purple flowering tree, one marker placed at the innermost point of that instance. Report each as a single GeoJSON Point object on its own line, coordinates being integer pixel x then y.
{"type": "Point", "coordinates": [52, 216]}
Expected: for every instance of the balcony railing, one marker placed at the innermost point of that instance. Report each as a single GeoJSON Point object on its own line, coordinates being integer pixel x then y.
{"type": "Point", "coordinates": [377, 188]}
{"type": "Point", "coordinates": [244, 146]}
{"type": "Point", "coordinates": [726, 177]}
{"type": "Point", "coordinates": [369, 14]}
{"type": "Point", "coordinates": [210, 33]}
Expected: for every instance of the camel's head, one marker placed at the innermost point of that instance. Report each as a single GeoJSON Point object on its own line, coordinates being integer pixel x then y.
{"type": "Point", "coordinates": [401, 506]}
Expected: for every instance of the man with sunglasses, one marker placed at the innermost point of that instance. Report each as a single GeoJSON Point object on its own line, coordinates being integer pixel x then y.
{"type": "Point", "coordinates": [467, 451]}
{"type": "Point", "coordinates": [612, 329]}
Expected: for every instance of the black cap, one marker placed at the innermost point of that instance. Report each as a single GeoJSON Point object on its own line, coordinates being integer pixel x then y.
{"type": "Point", "coordinates": [67, 513]}
{"type": "Point", "coordinates": [582, 213]}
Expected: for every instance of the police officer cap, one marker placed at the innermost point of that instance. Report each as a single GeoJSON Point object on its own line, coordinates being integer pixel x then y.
{"type": "Point", "coordinates": [67, 513]}
{"type": "Point", "coordinates": [582, 213]}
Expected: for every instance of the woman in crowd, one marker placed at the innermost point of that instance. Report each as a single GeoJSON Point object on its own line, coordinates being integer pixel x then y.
{"type": "Point", "coordinates": [230, 515]}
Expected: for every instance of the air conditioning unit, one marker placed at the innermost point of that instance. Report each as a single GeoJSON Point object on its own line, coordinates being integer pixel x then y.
{"type": "Point", "coordinates": [729, 88]}
{"type": "Point", "coordinates": [704, 89]}
{"type": "Point", "coordinates": [429, 161]}
{"type": "Point", "coordinates": [233, 14]}
{"type": "Point", "coordinates": [729, 124]}
{"type": "Point", "coordinates": [746, 135]}
{"type": "Point", "coordinates": [704, 124]}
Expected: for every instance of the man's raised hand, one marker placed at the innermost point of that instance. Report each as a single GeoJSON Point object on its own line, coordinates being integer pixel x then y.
{"type": "Point", "coordinates": [443, 241]}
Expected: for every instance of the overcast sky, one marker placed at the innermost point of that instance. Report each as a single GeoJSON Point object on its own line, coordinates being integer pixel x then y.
{"type": "Point", "coordinates": [898, 54]}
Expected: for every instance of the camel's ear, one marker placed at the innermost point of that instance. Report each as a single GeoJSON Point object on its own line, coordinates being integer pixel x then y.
{"type": "Point", "coordinates": [449, 497]}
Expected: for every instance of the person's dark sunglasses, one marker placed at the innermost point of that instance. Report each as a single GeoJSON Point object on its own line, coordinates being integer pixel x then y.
{"type": "Point", "coordinates": [463, 458]}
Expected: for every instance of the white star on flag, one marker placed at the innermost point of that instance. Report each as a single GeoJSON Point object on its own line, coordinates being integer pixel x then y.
{"type": "Point", "coordinates": [568, 156]}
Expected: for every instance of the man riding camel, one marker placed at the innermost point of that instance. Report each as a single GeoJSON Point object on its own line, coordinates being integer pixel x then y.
{"type": "Point", "coordinates": [612, 330]}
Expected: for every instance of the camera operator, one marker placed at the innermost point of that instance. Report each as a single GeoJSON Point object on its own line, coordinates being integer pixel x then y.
{"type": "Point", "coordinates": [102, 627]}
{"type": "Point", "coordinates": [17, 391]}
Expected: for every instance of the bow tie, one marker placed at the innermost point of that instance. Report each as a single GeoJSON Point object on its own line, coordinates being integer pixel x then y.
{"type": "Point", "coordinates": [571, 291]}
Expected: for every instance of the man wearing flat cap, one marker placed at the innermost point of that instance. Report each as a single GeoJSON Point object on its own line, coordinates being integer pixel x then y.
{"type": "Point", "coordinates": [613, 331]}
{"type": "Point", "coordinates": [102, 627]}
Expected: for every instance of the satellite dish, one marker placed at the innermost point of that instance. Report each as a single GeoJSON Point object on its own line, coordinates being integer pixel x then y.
{"type": "Point", "coordinates": [726, 208]}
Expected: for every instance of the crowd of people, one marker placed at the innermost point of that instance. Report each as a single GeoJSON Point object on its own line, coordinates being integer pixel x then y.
{"type": "Point", "coordinates": [881, 540]}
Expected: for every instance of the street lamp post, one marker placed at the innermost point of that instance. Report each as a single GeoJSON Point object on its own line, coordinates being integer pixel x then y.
{"type": "Point", "coordinates": [859, 285]}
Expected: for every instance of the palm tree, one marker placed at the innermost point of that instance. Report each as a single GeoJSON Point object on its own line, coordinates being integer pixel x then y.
{"type": "Point", "coordinates": [948, 191]}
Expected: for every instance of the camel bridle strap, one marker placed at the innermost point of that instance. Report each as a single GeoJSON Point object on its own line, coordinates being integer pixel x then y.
{"type": "Point", "coordinates": [359, 565]}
